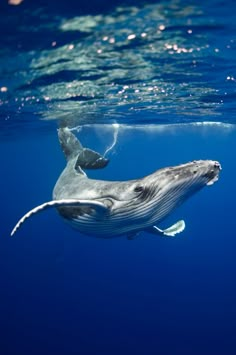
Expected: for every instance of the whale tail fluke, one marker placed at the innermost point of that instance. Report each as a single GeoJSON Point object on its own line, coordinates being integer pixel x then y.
{"type": "Point", "coordinates": [72, 148]}
{"type": "Point", "coordinates": [70, 145]}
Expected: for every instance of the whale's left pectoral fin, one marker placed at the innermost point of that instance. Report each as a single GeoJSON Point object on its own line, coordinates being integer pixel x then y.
{"type": "Point", "coordinates": [171, 231]}
{"type": "Point", "coordinates": [98, 206]}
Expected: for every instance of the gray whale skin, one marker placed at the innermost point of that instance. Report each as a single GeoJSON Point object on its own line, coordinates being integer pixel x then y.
{"type": "Point", "coordinates": [107, 209]}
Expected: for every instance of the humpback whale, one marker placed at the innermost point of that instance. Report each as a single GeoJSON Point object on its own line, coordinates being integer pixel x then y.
{"type": "Point", "coordinates": [107, 209]}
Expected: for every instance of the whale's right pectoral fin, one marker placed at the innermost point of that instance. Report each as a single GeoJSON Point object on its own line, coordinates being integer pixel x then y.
{"type": "Point", "coordinates": [97, 206]}
{"type": "Point", "coordinates": [171, 231]}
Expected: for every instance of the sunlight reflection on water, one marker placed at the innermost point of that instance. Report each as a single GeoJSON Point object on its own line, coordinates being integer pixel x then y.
{"type": "Point", "coordinates": [158, 59]}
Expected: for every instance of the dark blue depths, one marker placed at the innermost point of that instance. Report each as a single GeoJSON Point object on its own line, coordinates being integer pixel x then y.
{"type": "Point", "coordinates": [65, 293]}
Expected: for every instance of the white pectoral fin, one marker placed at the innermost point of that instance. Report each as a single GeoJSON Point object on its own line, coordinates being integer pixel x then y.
{"type": "Point", "coordinates": [171, 231]}
{"type": "Point", "coordinates": [99, 207]}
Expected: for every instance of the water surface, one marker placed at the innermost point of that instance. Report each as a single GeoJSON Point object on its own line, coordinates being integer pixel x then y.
{"type": "Point", "coordinates": [156, 82]}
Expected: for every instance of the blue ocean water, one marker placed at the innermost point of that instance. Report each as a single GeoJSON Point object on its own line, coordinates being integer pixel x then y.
{"type": "Point", "coordinates": [157, 80]}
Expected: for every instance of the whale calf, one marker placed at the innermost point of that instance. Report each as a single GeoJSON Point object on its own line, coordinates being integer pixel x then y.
{"type": "Point", "coordinates": [107, 209]}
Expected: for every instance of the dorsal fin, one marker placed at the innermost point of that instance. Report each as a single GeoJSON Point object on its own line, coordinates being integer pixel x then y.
{"type": "Point", "coordinates": [99, 207]}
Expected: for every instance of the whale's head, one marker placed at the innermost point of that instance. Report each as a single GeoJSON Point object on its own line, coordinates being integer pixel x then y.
{"type": "Point", "coordinates": [149, 200]}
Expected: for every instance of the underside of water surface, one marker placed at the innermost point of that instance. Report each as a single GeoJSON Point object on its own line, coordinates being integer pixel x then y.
{"type": "Point", "coordinates": [136, 63]}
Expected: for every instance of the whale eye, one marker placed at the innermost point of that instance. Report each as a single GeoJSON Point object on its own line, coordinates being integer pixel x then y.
{"type": "Point", "coordinates": [139, 188]}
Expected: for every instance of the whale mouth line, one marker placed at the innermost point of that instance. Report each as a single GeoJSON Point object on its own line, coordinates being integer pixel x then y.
{"type": "Point", "coordinates": [214, 173]}
{"type": "Point", "coordinates": [213, 180]}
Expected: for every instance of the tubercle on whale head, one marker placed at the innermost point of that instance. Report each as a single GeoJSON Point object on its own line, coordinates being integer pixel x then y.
{"type": "Point", "coordinates": [213, 174]}
{"type": "Point", "coordinates": [207, 170]}
{"type": "Point", "coordinates": [183, 180]}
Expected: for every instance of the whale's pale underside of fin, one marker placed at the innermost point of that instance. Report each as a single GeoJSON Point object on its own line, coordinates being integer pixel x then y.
{"type": "Point", "coordinates": [171, 231]}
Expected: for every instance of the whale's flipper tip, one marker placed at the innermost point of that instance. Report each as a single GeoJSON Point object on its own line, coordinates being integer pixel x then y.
{"type": "Point", "coordinates": [176, 228]}
{"type": "Point", "coordinates": [171, 231]}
